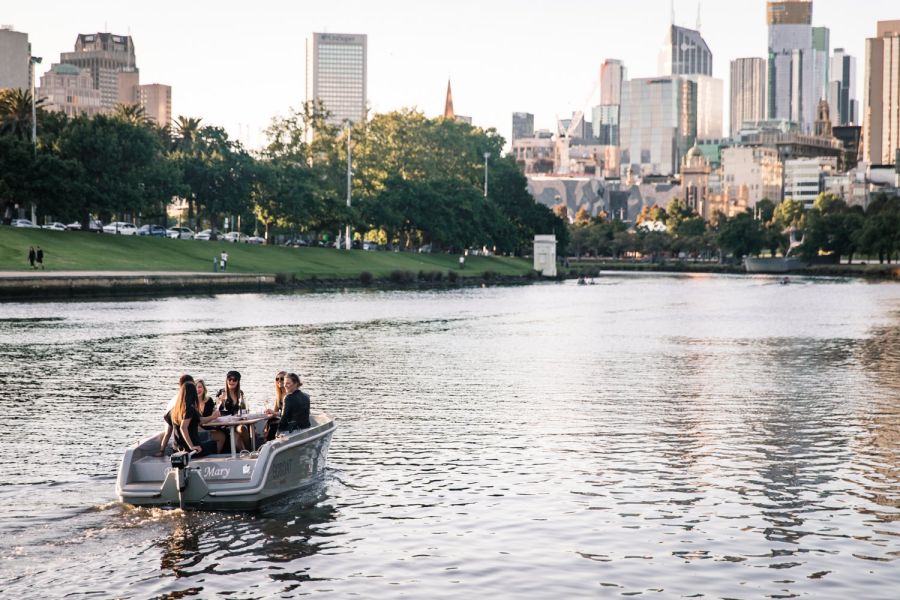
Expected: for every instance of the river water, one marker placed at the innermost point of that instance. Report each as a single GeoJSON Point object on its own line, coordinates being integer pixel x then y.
{"type": "Point", "coordinates": [661, 436]}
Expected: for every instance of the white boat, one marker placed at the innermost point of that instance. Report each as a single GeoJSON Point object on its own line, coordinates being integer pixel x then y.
{"type": "Point", "coordinates": [225, 481]}
{"type": "Point", "coordinates": [776, 264]}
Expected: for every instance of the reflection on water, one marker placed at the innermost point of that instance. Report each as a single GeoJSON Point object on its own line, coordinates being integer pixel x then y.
{"type": "Point", "coordinates": [680, 436]}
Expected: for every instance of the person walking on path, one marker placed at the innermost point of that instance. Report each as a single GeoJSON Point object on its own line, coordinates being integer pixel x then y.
{"type": "Point", "coordinates": [31, 256]}
{"type": "Point", "coordinates": [40, 258]}
{"type": "Point", "coordinates": [224, 258]}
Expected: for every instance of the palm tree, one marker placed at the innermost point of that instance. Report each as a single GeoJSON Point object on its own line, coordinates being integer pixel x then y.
{"type": "Point", "coordinates": [15, 112]}
{"type": "Point", "coordinates": [187, 133]}
{"type": "Point", "coordinates": [132, 113]}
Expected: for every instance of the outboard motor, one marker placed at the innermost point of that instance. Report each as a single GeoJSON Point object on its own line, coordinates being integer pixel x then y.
{"type": "Point", "coordinates": [180, 462]}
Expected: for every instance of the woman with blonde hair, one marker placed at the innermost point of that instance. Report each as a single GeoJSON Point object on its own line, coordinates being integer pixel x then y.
{"type": "Point", "coordinates": [185, 417]}
{"type": "Point", "coordinates": [272, 423]}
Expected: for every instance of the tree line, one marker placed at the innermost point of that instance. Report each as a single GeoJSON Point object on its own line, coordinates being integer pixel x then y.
{"type": "Point", "coordinates": [415, 181]}
{"type": "Point", "coordinates": [830, 228]}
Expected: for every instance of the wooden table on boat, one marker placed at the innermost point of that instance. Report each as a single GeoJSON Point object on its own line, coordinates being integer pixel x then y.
{"type": "Point", "coordinates": [232, 422]}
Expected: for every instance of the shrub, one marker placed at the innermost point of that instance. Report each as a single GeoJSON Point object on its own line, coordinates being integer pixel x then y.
{"type": "Point", "coordinates": [488, 275]}
{"type": "Point", "coordinates": [402, 277]}
{"type": "Point", "coordinates": [452, 276]}
{"type": "Point", "coordinates": [365, 278]}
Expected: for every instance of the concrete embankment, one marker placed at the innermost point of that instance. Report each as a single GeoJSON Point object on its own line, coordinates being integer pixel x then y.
{"type": "Point", "coordinates": [18, 285]}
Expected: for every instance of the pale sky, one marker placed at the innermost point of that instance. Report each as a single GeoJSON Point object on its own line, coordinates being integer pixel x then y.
{"type": "Point", "coordinates": [239, 63]}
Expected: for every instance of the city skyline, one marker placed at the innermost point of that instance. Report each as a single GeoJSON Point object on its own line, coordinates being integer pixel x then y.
{"type": "Point", "coordinates": [501, 58]}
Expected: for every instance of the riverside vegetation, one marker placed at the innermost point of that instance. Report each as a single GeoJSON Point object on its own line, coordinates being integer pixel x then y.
{"type": "Point", "coordinates": [416, 181]}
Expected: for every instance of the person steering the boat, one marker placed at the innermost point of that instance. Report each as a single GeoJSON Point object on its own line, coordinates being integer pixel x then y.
{"type": "Point", "coordinates": [295, 413]}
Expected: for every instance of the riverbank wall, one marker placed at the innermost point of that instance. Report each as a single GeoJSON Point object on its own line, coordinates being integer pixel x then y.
{"type": "Point", "coordinates": [62, 285]}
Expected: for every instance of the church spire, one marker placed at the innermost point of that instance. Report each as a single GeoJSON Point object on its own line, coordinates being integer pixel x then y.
{"type": "Point", "coordinates": [448, 103]}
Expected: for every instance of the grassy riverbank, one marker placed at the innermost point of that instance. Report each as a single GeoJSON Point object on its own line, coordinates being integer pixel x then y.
{"type": "Point", "coordinates": [76, 251]}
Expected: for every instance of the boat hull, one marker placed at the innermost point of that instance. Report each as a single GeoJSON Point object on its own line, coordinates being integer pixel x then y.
{"type": "Point", "coordinates": [772, 265]}
{"type": "Point", "coordinates": [219, 482]}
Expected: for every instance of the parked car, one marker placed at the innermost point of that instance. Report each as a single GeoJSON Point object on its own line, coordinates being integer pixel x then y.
{"type": "Point", "coordinates": [369, 246]}
{"type": "Point", "coordinates": [23, 223]}
{"type": "Point", "coordinates": [296, 243]}
{"type": "Point", "coordinates": [207, 235]}
{"type": "Point", "coordinates": [234, 237]}
{"type": "Point", "coordinates": [94, 224]}
{"type": "Point", "coordinates": [120, 228]}
{"type": "Point", "coordinates": [152, 230]}
{"type": "Point", "coordinates": [180, 233]}
{"type": "Point", "coordinates": [54, 226]}
{"type": "Point", "coordinates": [255, 239]}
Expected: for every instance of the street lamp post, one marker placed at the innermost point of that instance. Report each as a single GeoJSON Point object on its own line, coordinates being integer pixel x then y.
{"type": "Point", "coordinates": [33, 61]}
{"type": "Point", "coordinates": [349, 163]}
{"type": "Point", "coordinates": [486, 156]}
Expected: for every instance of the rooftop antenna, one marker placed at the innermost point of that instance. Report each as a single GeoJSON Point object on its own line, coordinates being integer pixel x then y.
{"type": "Point", "coordinates": [698, 15]}
{"type": "Point", "coordinates": [672, 15]}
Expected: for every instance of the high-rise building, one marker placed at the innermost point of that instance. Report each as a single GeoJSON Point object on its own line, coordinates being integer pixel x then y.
{"type": "Point", "coordinates": [70, 89]}
{"type": "Point", "coordinates": [710, 94]}
{"type": "Point", "coordinates": [658, 124]}
{"type": "Point", "coordinates": [605, 116]}
{"type": "Point", "coordinates": [336, 71]}
{"type": "Point", "coordinates": [156, 99]}
{"type": "Point", "coordinates": [605, 124]}
{"type": "Point", "coordinates": [522, 125]}
{"type": "Point", "coordinates": [105, 55]}
{"type": "Point", "coordinates": [821, 50]}
{"type": "Point", "coordinates": [791, 84]}
{"type": "Point", "coordinates": [684, 52]}
{"type": "Point", "coordinates": [881, 116]}
{"type": "Point", "coordinates": [842, 89]}
{"type": "Point", "coordinates": [15, 59]}
{"type": "Point", "coordinates": [748, 92]}
{"type": "Point", "coordinates": [612, 74]}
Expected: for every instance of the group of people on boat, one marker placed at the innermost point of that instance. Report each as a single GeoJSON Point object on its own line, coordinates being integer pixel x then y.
{"type": "Point", "coordinates": [191, 414]}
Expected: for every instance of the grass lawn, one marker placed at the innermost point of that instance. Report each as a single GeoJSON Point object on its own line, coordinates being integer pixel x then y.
{"type": "Point", "coordinates": [77, 251]}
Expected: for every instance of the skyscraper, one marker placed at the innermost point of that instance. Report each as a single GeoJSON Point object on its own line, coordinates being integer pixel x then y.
{"type": "Point", "coordinates": [685, 53]}
{"type": "Point", "coordinates": [881, 118]}
{"type": "Point", "coordinates": [107, 56]}
{"type": "Point", "coordinates": [522, 125]}
{"type": "Point", "coordinates": [336, 70]}
{"type": "Point", "coordinates": [748, 91]}
{"type": "Point", "coordinates": [612, 74]}
{"type": "Point", "coordinates": [842, 89]}
{"type": "Point", "coordinates": [791, 82]}
{"type": "Point", "coordinates": [605, 116]}
{"type": "Point", "coordinates": [15, 59]}
{"type": "Point", "coordinates": [659, 123]}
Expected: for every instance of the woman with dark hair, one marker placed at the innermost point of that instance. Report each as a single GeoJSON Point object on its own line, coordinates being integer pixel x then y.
{"type": "Point", "coordinates": [295, 413]}
{"type": "Point", "coordinates": [185, 417]}
{"type": "Point", "coordinates": [231, 398]}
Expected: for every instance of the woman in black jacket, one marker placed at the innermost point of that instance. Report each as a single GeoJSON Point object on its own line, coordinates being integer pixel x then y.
{"type": "Point", "coordinates": [295, 414]}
